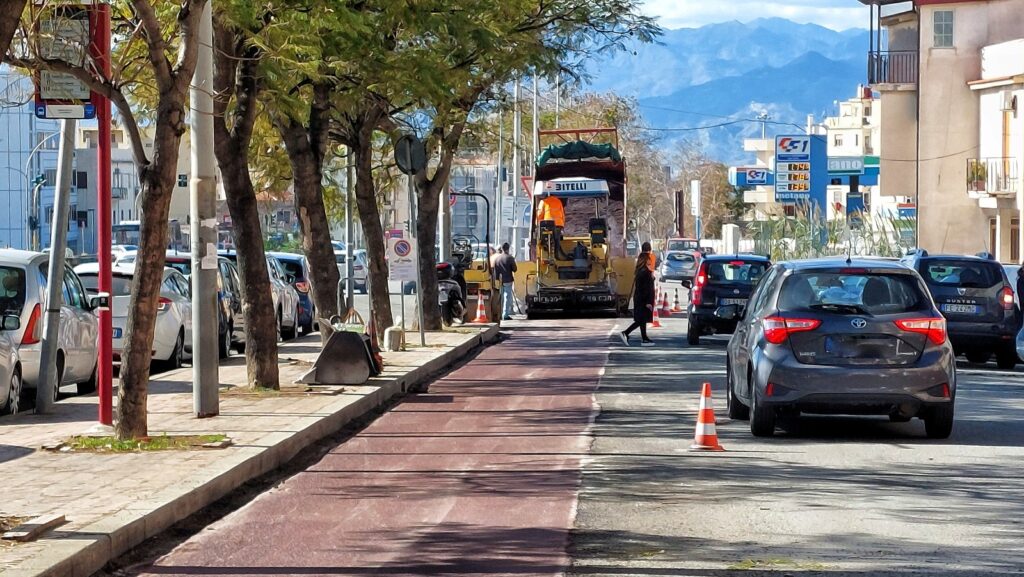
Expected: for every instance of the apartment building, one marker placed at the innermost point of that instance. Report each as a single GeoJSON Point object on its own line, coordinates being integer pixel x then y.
{"type": "Point", "coordinates": [948, 73]}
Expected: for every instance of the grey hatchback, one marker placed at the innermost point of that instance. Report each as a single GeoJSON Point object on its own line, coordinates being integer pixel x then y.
{"type": "Point", "coordinates": [835, 336]}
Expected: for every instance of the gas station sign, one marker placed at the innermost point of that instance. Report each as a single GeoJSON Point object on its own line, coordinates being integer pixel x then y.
{"type": "Point", "coordinates": [801, 172]}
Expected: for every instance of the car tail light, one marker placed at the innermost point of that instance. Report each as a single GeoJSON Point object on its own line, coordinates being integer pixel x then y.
{"type": "Point", "coordinates": [935, 329]}
{"type": "Point", "coordinates": [163, 304]}
{"type": "Point", "coordinates": [302, 286]}
{"type": "Point", "coordinates": [31, 335]}
{"type": "Point", "coordinates": [1006, 298]}
{"type": "Point", "coordinates": [769, 389]}
{"type": "Point", "coordinates": [698, 284]}
{"type": "Point", "coordinates": [778, 329]}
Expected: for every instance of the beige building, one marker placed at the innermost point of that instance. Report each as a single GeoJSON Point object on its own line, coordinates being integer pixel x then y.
{"type": "Point", "coordinates": [934, 76]}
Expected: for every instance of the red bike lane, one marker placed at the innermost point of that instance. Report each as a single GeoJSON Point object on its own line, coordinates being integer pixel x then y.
{"type": "Point", "coordinates": [479, 476]}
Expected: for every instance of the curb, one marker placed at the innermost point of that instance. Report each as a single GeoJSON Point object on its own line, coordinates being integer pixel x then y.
{"type": "Point", "coordinates": [83, 552]}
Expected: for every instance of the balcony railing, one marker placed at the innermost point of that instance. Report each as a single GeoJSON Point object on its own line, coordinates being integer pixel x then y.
{"type": "Point", "coordinates": [993, 176]}
{"type": "Point", "coordinates": [892, 67]}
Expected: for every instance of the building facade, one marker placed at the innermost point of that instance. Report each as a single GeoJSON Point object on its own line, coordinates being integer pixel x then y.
{"type": "Point", "coordinates": [945, 70]}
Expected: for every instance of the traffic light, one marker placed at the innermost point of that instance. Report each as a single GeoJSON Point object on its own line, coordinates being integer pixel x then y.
{"type": "Point", "coordinates": [40, 179]}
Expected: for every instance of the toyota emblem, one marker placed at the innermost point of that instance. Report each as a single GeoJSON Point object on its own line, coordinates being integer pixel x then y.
{"type": "Point", "coordinates": [859, 323]}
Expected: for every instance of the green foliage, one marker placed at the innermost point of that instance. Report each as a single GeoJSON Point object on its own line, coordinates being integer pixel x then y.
{"type": "Point", "coordinates": [802, 236]}
{"type": "Point", "coordinates": [283, 243]}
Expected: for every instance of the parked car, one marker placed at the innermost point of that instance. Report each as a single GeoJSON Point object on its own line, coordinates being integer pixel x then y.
{"type": "Point", "coordinates": [285, 299]}
{"type": "Point", "coordinates": [721, 280]}
{"type": "Point", "coordinates": [119, 250]}
{"type": "Point", "coordinates": [977, 299]}
{"type": "Point", "coordinates": [297, 266]}
{"type": "Point", "coordinates": [360, 269]}
{"type": "Point", "coordinates": [835, 336]}
{"type": "Point", "coordinates": [10, 364]}
{"type": "Point", "coordinates": [172, 340]}
{"type": "Point", "coordinates": [127, 257]}
{"type": "Point", "coordinates": [678, 266]}
{"type": "Point", "coordinates": [230, 322]}
{"type": "Point", "coordinates": [24, 279]}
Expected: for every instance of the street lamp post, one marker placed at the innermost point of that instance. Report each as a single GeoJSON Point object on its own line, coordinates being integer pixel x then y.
{"type": "Point", "coordinates": [33, 197]}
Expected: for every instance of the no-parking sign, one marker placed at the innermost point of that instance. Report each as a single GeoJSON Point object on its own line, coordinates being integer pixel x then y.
{"type": "Point", "coordinates": [401, 259]}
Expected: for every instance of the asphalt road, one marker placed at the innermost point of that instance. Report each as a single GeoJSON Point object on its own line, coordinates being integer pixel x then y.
{"type": "Point", "coordinates": [829, 496]}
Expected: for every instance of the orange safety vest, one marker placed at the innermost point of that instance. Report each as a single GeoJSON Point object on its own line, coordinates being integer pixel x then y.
{"type": "Point", "coordinates": [652, 261]}
{"type": "Point", "coordinates": [550, 208]}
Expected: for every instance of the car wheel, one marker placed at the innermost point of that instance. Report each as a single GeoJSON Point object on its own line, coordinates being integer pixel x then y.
{"type": "Point", "coordinates": [89, 387]}
{"type": "Point", "coordinates": [60, 376]}
{"type": "Point", "coordinates": [178, 354]}
{"type": "Point", "coordinates": [762, 418]}
{"type": "Point", "coordinates": [290, 333]}
{"type": "Point", "coordinates": [14, 397]}
{"type": "Point", "coordinates": [978, 357]}
{"type": "Point", "coordinates": [736, 409]}
{"type": "Point", "coordinates": [1006, 359]}
{"type": "Point", "coordinates": [693, 333]}
{"type": "Point", "coordinates": [225, 343]}
{"type": "Point", "coordinates": [938, 422]}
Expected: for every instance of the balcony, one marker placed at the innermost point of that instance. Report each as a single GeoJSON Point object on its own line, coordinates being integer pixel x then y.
{"type": "Point", "coordinates": [992, 176]}
{"type": "Point", "coordinates": [892, 67]}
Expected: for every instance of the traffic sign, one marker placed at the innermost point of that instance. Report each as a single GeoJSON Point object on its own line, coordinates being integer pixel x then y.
{"type": "Point", "coordinates": [65, 33]}
{"type": "Point", "coordinates": [401, 259]}
{"type": "Point", "coordinates": [452, 199]}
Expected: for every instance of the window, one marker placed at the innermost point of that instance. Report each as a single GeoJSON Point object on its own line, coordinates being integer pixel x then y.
{"type": "Point", "coordinates": [1015, 240]}
{"type": "Point", "coordinates": [760, 297]}
{"type": "Point", "coordinates": [51, 176]}
{"type": "Point", "coordinates": [962, 273]}
{"type": "Point", "coordinates": [12, 290]}
{"type": "Point", "coordinates": [735, 272]}
{"type": "Point", "coordinates": [855, 293]}
{"type": "Point", "coordinates": [73, 293]}
{"type": "Point", "coordinates": [183, 180]}
{"type": "Point", "coordinates": [943, 21]}
{"type": "Point", "coordinates": [856, 140]}
{"type": "Point", "coordinates": [867, 144]}
{"type": "Point", "coordinates": [837, 140]}
{"type": "Point", "coordinates": [81, 180]}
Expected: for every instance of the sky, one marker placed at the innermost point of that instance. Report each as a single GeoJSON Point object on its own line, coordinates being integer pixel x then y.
{"type": "Point", "coordinates": [835, 14]}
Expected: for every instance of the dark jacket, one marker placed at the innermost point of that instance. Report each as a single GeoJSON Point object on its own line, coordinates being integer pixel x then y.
{"type": "Point", "coordinates": [1020, 287]}
{"type": "Point", "coordinates": [643, 295]}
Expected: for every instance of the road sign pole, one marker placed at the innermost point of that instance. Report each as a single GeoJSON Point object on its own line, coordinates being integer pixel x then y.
{"type": "Point", "coordinates": [412, 230]}
{"type": "Point", "coordinates": [350, 180]}
{"type": "Point", "coordinates": [105, 358]}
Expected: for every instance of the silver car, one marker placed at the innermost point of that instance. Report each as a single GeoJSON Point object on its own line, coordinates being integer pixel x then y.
{"type": "Point", "coordinates": [360, 269]}
{"type": "Point", "coordinates": [10, 363]}
{"type": "Point", "coordinates": [25, 295]}
{"type": "Point", "coordinates": [286, 300]}
{"type": "Point", "coordinates": [172, 339]}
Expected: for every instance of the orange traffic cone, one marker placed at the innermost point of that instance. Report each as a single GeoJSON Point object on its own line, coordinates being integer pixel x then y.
{"type": "Point", "coordinates": [656, 323]}
{"type": "Point", "coordinates": [481, 312]}
{"type": "Point", "coordinates": [665, 310]}
{"type": "Point", "coordinates": [675, 303]}
{"type": "Point", "coordinates": [706, 438]}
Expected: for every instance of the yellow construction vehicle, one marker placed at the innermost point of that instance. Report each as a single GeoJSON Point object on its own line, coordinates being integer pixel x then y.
{"type": "Point", "coordinates": [579, 230]}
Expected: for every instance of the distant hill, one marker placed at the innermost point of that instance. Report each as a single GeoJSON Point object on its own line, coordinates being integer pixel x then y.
{"type": "Point", "coordinates": [736, 70]}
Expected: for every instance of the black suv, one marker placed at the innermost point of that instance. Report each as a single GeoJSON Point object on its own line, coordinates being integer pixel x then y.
{"type": "Point", "coordinates": [721, 280]}
{"type": "Point", "coordinates": [976, 298]}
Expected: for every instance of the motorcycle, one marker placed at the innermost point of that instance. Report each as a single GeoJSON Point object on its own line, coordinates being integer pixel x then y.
{"type": "Point", "coordinates": [451, 283]}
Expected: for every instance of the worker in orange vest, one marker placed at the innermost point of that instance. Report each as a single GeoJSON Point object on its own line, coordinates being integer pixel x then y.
{"type": "Point", "coordinates": [550, 208]}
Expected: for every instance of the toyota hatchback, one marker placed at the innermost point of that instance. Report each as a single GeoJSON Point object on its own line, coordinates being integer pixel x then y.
{"type": "Point", "coordinates": [833, 336]}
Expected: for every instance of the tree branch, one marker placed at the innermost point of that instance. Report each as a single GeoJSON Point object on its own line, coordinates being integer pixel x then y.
{"type": "Point", "coordinates": [155, 42]}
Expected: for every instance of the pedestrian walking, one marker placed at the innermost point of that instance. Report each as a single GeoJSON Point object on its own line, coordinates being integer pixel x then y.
{"type": "Point", "coordinates": [643, 298]}
{"type": "Point", "coordinates": [504, 272]}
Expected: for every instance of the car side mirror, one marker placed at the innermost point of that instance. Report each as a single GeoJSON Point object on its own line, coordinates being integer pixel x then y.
{"type": "Point", "coordinates": [687, 284]}
{"type": "Point", "coordinates": [728, 312]}
{"type": "Point", "coordinates": [12, 322]}
{"type": "Point", "coordinates": [101, 301]}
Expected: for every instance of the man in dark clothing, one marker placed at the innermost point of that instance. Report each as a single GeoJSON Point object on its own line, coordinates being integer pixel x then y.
{"type": "Point", "coordinates": [504, 272]}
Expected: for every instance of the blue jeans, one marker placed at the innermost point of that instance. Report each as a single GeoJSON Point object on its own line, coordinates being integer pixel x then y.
{"type": "Point", "coordinates": [508, 297]}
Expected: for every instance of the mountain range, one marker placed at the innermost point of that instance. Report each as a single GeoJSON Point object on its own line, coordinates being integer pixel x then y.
{"type": "Point", "coordinates": [718, 74]}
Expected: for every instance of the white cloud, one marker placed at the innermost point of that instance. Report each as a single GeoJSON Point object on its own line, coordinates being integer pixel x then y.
{"type": "Point", "coordinates": [835, 14]}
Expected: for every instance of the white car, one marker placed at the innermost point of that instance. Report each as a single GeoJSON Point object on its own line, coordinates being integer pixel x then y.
{"type": "Point", "coordinates": [23, 293]}
{"type": "Point", "coordinates": [172, 341]}
{"type": "Point", "coordinates": [360, 268]}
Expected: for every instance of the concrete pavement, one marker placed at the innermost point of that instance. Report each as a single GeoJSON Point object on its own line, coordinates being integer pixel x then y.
{"type": "Point", "coordinates": [115, 501]}
{"type": "Point", "coordinates": [478, 476]}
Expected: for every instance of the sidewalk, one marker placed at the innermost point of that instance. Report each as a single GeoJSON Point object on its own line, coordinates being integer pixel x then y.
{"type": "Point", "coordinates": [113, 502]}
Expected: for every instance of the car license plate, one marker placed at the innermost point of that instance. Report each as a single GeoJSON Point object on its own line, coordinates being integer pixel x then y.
{"type": "Point", "coordinates": [963, 309]}
{"type": "Point", "coordinates": [117, 332]}
{"type": "Point", "coordinates": [725, 302]}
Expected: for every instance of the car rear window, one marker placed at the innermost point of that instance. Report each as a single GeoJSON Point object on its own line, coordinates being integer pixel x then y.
{"type": "Point", "coordinates": [679, 257]}
{"type": "Point", "coordinates": [12, 289]}
{"type": "Point", "coordinates": [852, 293]}
{"type": "Point", "coordinates": [121, 286]}
{"type": "Point", "coordinates": [735, 271]}
{"type": "Point", "coordinates": [683, 245]}
{"type": "Point", "coordinates": [292, 267]}
{"type": "Point", "coordinates": [961, 273]}
{"type": "Point", "coordinates": [180, 265]}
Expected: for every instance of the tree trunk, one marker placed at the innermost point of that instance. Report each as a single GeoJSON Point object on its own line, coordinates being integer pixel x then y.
{"type": "Point", "coordinates": [236, 75]}
{"type": "Point", "coordinates": [157, 179]}
{"type": "Point", "coordinates": [10, 17]}
{"type": "Point", "coordinates": [261, 320]}
{"type": "Point", "coordinates": [373, 232]}
{"type": "Point", "coordinates": [307, 174]}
